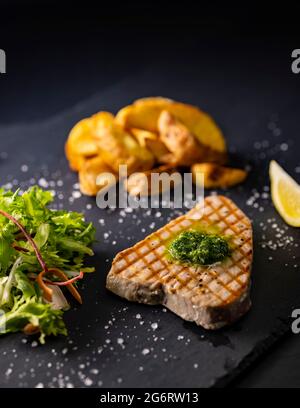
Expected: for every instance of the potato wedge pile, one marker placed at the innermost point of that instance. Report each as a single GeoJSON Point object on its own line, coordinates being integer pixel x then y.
{"type": "Point", "coordinates": [151, 134]}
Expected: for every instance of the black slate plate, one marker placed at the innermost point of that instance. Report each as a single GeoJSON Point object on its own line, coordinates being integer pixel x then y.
{"type": "Point", "coordinates": [113, 343]}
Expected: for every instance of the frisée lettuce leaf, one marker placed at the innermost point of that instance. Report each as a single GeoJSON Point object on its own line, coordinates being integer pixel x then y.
{"type": "Point", "coordinates": [50, 251]}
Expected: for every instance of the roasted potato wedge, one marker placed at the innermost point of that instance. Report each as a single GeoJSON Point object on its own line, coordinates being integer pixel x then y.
{"type": "Point", "coordinates": [139, 184]}
{"type": "Point", "coordinates": [119, 147]}
{"type": "Point", "coordinates": [152, 142]}
{"type": "Point", "coordinates": [184, 147]}
{"type": "Point", "coordinates": [76, 161]}
{"type": "Point", "coordinates": [144, 114]}
{"type": "Point", "coordinates": [81, 144]}
{"type": "Point", "coordinates": [142, 136]}
{"type": "Point", "coordinates": [159, 100]}
{"type": "Point", "coordinates": [101, 120]}
{"type": "Point", "coordinates": [159, 151]}
{"type": "Point", "coordinates": [216, 176]}
{"type": "Point", "coordinates": [90, 176]}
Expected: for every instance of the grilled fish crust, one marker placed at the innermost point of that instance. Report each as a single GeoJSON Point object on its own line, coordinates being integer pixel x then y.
{"type": "Point", "coordinates": [212, 296]}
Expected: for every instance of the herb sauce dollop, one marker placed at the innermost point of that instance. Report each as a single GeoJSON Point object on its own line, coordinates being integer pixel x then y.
{"type": "Point", "coordinates": [199, 248]}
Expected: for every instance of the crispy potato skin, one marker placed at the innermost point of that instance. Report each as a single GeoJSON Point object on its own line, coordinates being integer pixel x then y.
{"type": "Point", "coordinates": [117, 147]}
{"type": "Point", "coordinates": [88, 174]}
{"type": "Point", "coordinates": [99, 135]}
{"type": "Point", "coordinates": [82, 144]}
{"type": "Point", "coordinates": [158, 149]}
{"type": "Point", "coordinates": [142, 136]}
{"type": "Point", "coordinates": [152, 142]}
{"type": "Point", "coordinates": [76, 161]}
{"type": "Point", "coordinates": [216, 176]}
{"type": "Point", "coordinates": [184, 148]}
{"type": "Point", "coordinates": [152, 131]}
{"type": "Point", "coordinates": [144, 114]}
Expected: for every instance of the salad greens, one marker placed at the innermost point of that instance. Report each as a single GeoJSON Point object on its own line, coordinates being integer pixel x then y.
{"type": "Point", "coordinates": [41, 250]}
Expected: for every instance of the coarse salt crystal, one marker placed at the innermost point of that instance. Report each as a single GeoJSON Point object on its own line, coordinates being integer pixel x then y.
{"type": "Point", "coordinates": [154, 326]}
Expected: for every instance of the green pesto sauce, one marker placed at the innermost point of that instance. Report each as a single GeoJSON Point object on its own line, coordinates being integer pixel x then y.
{"type": "Point", "coordinates": [198, 248]}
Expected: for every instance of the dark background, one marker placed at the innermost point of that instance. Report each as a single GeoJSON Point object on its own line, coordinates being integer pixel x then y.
{"type": "Point", "coordinates": [60, 53]}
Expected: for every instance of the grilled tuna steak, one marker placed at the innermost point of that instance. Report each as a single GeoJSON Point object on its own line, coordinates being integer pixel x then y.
{"type": "Point", "coordinates": [211, 296]}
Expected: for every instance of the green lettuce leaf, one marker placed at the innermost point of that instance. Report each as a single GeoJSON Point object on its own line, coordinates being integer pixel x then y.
{"type": "Point", "coordinates": [49, 321]}
{"type": "Point", "coordinates": [64, 239]}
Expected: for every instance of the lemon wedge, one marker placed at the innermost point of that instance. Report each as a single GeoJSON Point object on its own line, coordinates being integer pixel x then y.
{"type": "Point", "coordinates": [285, 194]}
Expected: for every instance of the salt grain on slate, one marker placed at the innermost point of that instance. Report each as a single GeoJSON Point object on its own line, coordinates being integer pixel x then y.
{"type": "Point", "coordinates": [8, 372]}
{"type": "Point", "coordinates": [24, 168]}
{"type": "Point", "coordinates": [284, 147]}
{"type": "Point", "coordinates": [43, 183]}
{"type": "Point", "coordinates": [154, 326]}
{"type": "Point", "coordinates": [76, 194]}
{"type": "Point", "coordinates": [39, 385]}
